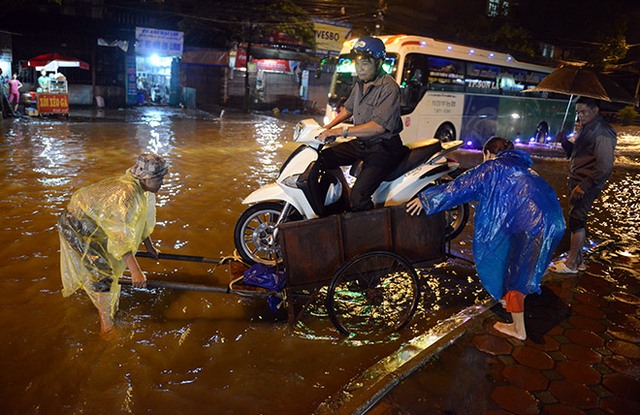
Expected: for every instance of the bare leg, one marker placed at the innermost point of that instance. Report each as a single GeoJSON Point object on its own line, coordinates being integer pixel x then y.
{"type": "Point", "coordinates": [574, 257]}
{"type": "Point", "coordinates": [515, 329]}
{"type": "Point", "coordinates": [103, 304]}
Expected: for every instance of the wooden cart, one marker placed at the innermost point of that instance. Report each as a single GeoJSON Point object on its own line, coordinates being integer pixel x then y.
{"type": "Point", "coordinates": [366, 261]}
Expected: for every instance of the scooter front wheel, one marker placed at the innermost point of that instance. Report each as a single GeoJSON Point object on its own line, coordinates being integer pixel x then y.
{"type": "Point", "coordinates": [254, 235]}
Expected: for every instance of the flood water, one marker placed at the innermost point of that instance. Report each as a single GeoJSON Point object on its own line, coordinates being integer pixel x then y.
{"type": "Point", "coordinates": [193, 352]}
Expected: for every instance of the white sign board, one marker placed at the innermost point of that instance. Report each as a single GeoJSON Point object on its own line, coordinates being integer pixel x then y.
{"type": "Point", "coordinates": [161, 42]}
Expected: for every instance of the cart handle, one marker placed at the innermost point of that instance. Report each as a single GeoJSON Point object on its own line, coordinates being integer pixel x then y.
{"type": "Point", "coordinates": [189, 258]}
{"type": "Point", "coordinates": [175, 285]}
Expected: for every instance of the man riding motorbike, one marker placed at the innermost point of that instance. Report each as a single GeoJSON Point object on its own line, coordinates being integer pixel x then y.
{"type": "Point", "coordinates": [374, 104]}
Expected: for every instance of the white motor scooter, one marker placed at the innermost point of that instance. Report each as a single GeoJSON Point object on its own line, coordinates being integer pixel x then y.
{"type": "Point", "coordinates": [303, 190]}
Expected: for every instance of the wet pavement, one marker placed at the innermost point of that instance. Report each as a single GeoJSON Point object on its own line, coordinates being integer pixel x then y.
{"type": "Point", "coordinates": [582, 355]}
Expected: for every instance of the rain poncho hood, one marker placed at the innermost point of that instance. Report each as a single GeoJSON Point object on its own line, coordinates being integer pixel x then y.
{"type": "Point", "coordinates": [103, 222]}
{"type": "Point", "coordinates": [518, 221]}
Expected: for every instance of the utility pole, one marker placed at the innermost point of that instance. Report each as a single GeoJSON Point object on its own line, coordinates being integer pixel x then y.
{"type": "Point", "coordinates": [381, 10]}
{"type": "Point", "coordinates": [246, 103]}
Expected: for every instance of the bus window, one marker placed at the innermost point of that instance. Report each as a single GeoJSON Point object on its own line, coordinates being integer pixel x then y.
{"type": "Point", "coordinates": [342, 82]}
{"type": "Point", "coordinates": [446, 75]}
{"type": "Point", "coordinates": [345, 75]}
{"type": "Point", "coordinates": [414, 81]}
{"type": "Point", "coordinates": [482, 78]}
{"type": "Point", "coordinates": [532, 79]}
{"type": "Point", "coordinates": [512, 81]}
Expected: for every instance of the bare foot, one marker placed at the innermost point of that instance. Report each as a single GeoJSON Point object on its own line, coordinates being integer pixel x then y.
{"type": "Point", "coordinates": [509, 330]}
{"type": "Point", "coordinates": [109, 334]}
{"type": "Point", "coordinates": [107, 328]}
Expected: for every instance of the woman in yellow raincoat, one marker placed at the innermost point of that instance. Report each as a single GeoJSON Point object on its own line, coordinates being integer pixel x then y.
{"type": "Point", "coordinates": [101, 229]}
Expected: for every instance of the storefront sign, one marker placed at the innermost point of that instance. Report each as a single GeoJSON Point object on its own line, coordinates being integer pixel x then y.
{"type": "Point", "coordinates": [162, 42]}
{"type": "Point", "coordinates": [5, 55]}
{"type": "Point", "coordinates": [53, 103]}
{"type": "Point", "coordinates": [276, 65]}
{"type": "Point", "coordinates": [329, 36]}
{"type": "Point", "coordinates": [131, 80]}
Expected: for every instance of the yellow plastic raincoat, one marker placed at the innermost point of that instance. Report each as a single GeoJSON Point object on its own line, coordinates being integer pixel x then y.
{"type": "Point", "coordinates": [102, 222]}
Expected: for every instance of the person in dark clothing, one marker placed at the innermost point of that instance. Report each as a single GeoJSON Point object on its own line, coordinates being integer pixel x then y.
{"type": "Point", "coordinates": [374, 103]}
{"type": "Point", "coordinates": [591, 162]}
{"type": "Point", "coordinates": [517, 225]}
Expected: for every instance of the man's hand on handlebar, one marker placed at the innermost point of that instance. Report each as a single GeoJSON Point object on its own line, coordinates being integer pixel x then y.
{"type": "Point", "coordinates": [327, 136]}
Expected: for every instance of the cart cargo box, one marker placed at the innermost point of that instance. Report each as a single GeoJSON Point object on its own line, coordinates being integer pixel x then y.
{"type": "Point", "coordinates": [314, 249]}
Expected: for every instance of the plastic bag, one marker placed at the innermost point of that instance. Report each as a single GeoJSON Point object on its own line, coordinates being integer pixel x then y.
{"type": "Point", "coordinates": [265, 276]}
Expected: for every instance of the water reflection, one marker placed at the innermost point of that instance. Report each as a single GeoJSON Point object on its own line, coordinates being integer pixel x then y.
{"type": "Point", "coordinates": [155, 132]}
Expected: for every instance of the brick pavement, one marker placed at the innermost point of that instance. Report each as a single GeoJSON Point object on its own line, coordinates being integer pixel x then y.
{"type": "Point", "coordinates": [582, 355]}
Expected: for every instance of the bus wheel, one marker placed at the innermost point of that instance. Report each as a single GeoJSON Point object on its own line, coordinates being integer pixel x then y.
{"type": "Point", "coordinates": [446, 133]}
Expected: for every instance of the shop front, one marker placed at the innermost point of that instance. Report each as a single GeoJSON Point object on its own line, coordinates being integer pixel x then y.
{"type": "Point", "coordinates": [154, 79]}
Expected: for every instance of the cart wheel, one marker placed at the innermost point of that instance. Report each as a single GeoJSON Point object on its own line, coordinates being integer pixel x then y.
{"type": "Point", "coordinates": [374, 293]}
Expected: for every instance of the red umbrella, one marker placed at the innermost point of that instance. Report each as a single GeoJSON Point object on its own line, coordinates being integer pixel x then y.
{"type": "Point", "coordinates": [53, 61]}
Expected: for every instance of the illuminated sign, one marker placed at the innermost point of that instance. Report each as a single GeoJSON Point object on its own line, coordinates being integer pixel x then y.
{"type": "Point", "coordinates": [158, 41]}
{"type": "Point", "coordinates": [275, 65]}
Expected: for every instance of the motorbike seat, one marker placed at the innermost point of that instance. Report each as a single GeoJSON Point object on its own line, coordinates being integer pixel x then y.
{"type": "Point", "coordinates": [420, 152]}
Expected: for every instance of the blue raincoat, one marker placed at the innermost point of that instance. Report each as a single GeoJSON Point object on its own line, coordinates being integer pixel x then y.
{"type": "Point", "coordinates": [518, 220]}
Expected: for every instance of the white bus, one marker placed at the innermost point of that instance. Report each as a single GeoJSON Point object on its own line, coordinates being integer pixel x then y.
{"type": "Point", "coordinates": [449, 91]}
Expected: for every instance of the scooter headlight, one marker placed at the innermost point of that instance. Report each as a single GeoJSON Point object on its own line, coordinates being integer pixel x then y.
{"type": "Point", "coordinates": [291, 181]}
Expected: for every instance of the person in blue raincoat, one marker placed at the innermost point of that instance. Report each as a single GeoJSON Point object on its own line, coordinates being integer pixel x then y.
{"type": "Point", "coordinates": [518, 224]}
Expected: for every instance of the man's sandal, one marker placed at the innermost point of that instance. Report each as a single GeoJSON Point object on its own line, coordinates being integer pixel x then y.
{"type": "Point", "coordinates": [560, 267]}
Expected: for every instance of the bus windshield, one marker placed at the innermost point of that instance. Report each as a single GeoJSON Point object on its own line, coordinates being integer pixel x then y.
{"type": "Point", "coordinates": [345, 75]}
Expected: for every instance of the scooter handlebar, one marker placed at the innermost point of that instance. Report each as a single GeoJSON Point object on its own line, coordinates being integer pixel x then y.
{"type": "Point", "coordinates": [330, 139]}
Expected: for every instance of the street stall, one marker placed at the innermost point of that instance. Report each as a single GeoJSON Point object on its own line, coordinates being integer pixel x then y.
{"type": "Point", "coordinates": [52, 93]}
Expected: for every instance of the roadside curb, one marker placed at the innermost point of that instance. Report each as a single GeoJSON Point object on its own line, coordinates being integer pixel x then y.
{"type": "Point", "coordinates": [363, 392]}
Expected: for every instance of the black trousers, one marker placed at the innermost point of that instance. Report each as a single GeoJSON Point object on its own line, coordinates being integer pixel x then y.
{"type": "Point", "coordinates": [579, 209]}
{"type": "Point", "coordinates": [380, 158]}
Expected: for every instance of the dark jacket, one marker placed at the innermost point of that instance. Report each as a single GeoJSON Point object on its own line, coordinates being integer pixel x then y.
{"type": "Point", "coordinates": [592, 155]}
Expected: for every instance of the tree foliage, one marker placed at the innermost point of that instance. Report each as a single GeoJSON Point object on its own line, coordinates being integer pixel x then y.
{"type": "Point", "coordinates": [9, 6]}
{"type": "Point", "coordinates": [597, 28]}
{"type": "Point", "coordinates": [250, 20]}
{"type": "Point", "coordinates": [499, 32]}
{"type": "Point", "coordinates": [611, 51]}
